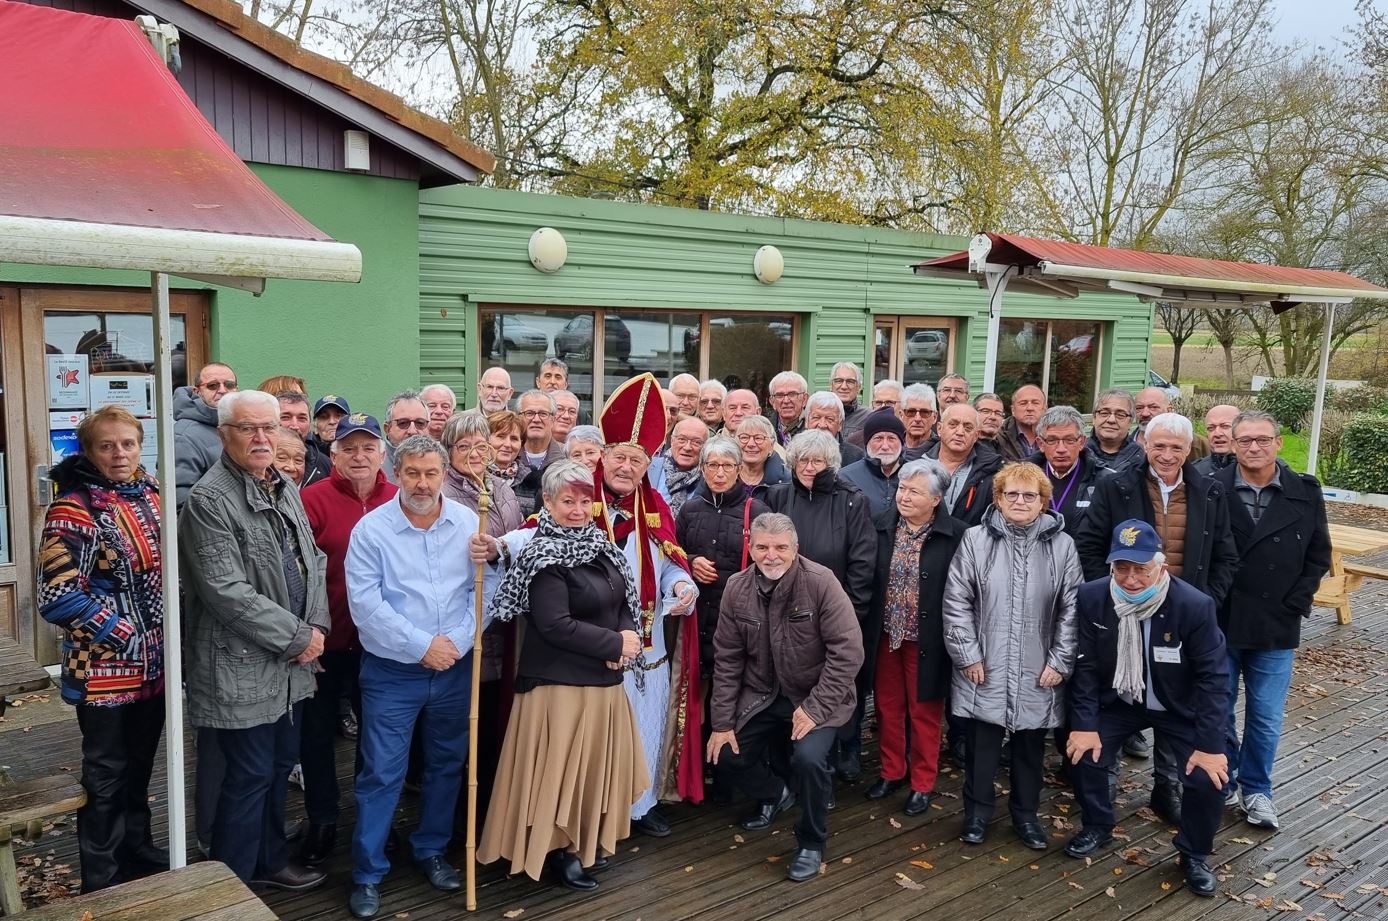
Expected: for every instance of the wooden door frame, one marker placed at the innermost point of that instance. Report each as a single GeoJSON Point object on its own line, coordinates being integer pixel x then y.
{"type": "Point", "coordinates": [900, 325]}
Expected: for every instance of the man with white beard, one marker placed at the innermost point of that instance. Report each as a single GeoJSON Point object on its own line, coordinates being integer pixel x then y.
{"type": "Point", "coordinates": [875, 475]}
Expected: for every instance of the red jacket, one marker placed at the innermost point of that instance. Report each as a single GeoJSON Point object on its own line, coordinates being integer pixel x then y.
{"type": "Point", "coordinates": [333, 511]}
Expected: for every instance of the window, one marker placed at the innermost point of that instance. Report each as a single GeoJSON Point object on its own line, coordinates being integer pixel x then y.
{"type": "Point", "coordinates": [747, 351]}
{"type": "Point", "coordinates": [913, 350]}
{"type": "Point", "coordinates": [1059, 356]}
{"type": "Point", "coordinates": [519, 341]}
{"type": "Point", "coordinates": [664, 344]}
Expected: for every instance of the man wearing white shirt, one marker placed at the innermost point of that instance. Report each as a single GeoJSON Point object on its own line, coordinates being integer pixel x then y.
{"type": "Point", "coordinates": [410, 587]}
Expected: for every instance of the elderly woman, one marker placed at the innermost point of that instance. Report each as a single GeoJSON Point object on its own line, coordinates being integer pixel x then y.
{"type": "Point", "coordinates": [101, 582]}
{"type": "Point", "coordinates": [584, 445]}
{"type": "Point", "coordinates": [572, 763]}
{"type": "Point", "coordinates": [712, 527]}
{"type": "Point", "coordinates": [508, 462]}
{"type": "Point", "coordinates": [913, 667]}
{"type": "Point", "coordinates": [290, 452]}
{"type": "Point", "coordinates": [1010, 629]}
{"type": "Point", "coordinates": [835, 526]}
{"type": "Point", "coordinates": [762, 467]}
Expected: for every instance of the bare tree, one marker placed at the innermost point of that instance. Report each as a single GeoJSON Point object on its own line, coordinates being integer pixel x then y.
{"type": "Point", "coordinates": [1227, 326]}
{"type": "Point", "coordinates": [1180, 324]}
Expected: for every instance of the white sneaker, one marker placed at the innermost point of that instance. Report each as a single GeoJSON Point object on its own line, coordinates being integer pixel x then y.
{"type": "Point", "coordinates": [1231, 799]}
{"type": "Point", "coordinates": [1258, 809]}
{"type": "Point", "coordinates": [296, 776]}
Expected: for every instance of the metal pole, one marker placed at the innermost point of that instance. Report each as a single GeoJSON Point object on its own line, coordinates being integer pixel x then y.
{"type": "Point", "coordinates": [997, 284]}
{"type": "Point", "coordinates": [1313, 453]}
{"type": "Point", "coordinates": [483, 505]}
{"type": "Point", "coordinates": [168, 552]}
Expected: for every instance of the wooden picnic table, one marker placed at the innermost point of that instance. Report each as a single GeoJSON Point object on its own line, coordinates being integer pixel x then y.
{"type": "Point", "coordinates": [206, 890]}
{"type": "Point", "coordinates": [1343, 577]}
{"type": "Point", "coordinates": [18, 675]}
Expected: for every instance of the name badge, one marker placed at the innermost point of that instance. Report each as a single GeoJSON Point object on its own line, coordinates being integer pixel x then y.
{"type": "Point", "coordinates": [1082, 503]}
{"type": "Point", "coordinates": [1170, 655]}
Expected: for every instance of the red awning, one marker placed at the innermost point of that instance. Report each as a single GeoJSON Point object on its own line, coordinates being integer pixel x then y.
{"type": "Point", "coordinates": [94, 128]}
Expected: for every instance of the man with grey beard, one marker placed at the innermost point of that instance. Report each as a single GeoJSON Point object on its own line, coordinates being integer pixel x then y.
{"type": "Point", "coordinates": [875, 475]}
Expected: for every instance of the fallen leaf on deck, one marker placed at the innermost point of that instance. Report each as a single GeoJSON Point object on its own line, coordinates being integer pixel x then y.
{"type": "Point", "coordinates": [1110, 893]}
{"type": "Point", "coordinates": [848, 860]}
{"type": "Point", "coordinates": [1288, 905]}
{"type": "Point", "coordinates": [1117, 871]}
{"type": "Point", "coordinates": [739, 839]}
{"type": "Point", "coordinates": [1004, 858]}
{"type": "Point", "coordinates": [906, 882]}
{"type": "Point", "coordinates": [1034, 866]}
{"type": "Point", "coordinates": [823, 868]}
{"type": "Point", "coordinates": [774, 858]}
{"type": "Point", "coordinates": [923, 864]}
{"type": "Point", "coordinates": [513, 913]}
{"type": "Point", "coordinates": [689, 869]}
{"type": "Point", "coordinates": [1337, 896]}
{"type": "Point", "coordinates": [1311, 884]}
{"type": "Point", "coordinates": [893, 822]}
{"type": "Point", "coordinates": [1165, 887]}
{"type": "Point", "coordinates": [1242, 840]}
{"type": "Point", "coordinates": [1270, 877]}
{"type": "Point", "coordinates": [1072, 884]}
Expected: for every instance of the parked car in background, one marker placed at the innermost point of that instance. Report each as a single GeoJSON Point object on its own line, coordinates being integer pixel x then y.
{"type": "Point", "coordinates": [1080, 346]}
{"type": "Point", "coordinates": [927, 347]}
{"type": "Point", "coordinates": [516, 335]}
{"type": "Point", "coordinates": [1156, 380]}
{"type": "Point", "coordinates": [576, 339]}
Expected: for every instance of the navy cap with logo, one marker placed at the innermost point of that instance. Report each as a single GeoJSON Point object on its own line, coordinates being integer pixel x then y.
{"type": "Point", "coordinates": [1134, 540]}
{"type": "Point", "coordinates": [331, 399]}
{"type": "Point", "coordinates": [358, 422]}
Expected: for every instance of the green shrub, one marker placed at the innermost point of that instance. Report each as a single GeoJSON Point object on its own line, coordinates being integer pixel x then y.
{"type": "Point", "coordinates": [1364, 398]}
{"type": "Point", "coordinates": [1364, 450]}
{"type": "Point", "coordinates": [1290, 400]}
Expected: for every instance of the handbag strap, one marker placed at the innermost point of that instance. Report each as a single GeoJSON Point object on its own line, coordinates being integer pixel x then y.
{"type": "Point", "coordinates": [746, 529]}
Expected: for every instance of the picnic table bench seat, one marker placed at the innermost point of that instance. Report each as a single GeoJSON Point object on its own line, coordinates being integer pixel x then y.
{"type": "Point", "coordinates": [23, 809]}
{"type": "Point", "coordinates": [208, 891]}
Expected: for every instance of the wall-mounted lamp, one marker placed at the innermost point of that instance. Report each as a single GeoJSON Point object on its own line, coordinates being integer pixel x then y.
{"type": "Point", "coordinates": [768, 265]}
{"type": "Point", "coordinates": [548, 249]}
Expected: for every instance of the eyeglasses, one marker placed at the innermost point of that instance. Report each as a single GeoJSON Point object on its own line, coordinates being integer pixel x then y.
{"type": "Point", "coordinates": [249, 429]}
{"type": "Point", "coordinates": [991, 413]}
{"type": "Point", "coordinates": [534, 413]}
{"type": "Point", "coordinates": [958, 391]}
{"type": "Point", "coordinates": [1051, 441]}
{"type": "Point", "coordinates": [719, 466]}
{"type": "Point", "coordinates": [757, 439]}
{"type": "Point", "coordinates": [711, 401]}
{"type": "Point", "coordinates": [842, 381]}
{"type": "Point", "coordinates": [1248, 441]}
{"type": "Point", "coordinates": [787, 395]}
{"type": "Point", "coordinates": [1024, 497]}
{"type": "Point", "coordinates": [565, 412]}
{"type": "Point", "coordinates": [1112, 414]}
{"type": "Point", "coordinates": [686, 441]}
{"type": "Point", "coordinates": [404, 424]}
{"type": "Point", "coordinates": [219, 385]}
{"type": "Point", "coordinates": [916, 413]}
{"type": "Point", "coordinates": [436, 405]}
{"type": "Point", "coordinates": [883, 404]}
{"type": "Point", "coordinates": [480, 447]}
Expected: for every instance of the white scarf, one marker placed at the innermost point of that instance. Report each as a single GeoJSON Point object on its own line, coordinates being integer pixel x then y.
{"type": "Point", "coordinates": [1127, 676]}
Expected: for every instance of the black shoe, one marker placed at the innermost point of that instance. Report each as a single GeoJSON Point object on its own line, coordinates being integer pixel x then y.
{"type": "Point", "coordinates": [1087, 842]}
{"type": "Point", "coordinates": [850, 768]}
{"type": "Point", "coordinates": [1137, 746]}
{"type": "Point", "coordinates": [348, 726]}
{"type": "Point", "coordinates": [365, 900]}
{"type": "Point", "coordinates": [1200, 879]}
{"type": "Point", "coordinates": [599, 863]}
{"type": "Point", "coordinates": [765, 815]}
{"type": "Point", "coordinates": [833, 801]}
{"type": "Point", "coordinates": [918, 802]}
{"type": "Point", "coordinates": [1031, 834]}
{"type": "Point", "coordinates": [883, 788]}
{"type": "Point", "coordinates": [292, 879]}
{"type": "Point", "coordinates": [318, 844]}
{"type": "Point", "coordinates": [439, 874]}
{"type": "Point", "coordinates": [150, 859]}
{"type": "Point", "coordinates": [804, 865]}
{"type": "Point", "coordinates": [974, 831]}
{"type": "Point", "coordinates": [570, 872]}
{"type": "Point", "coordinates": [653, 824]}
{"type": "Point", "coordinates": [1166, 800]}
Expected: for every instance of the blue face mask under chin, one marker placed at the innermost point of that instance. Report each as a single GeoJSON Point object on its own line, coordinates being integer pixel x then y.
{"type": "Point", "coordinates": [1138, 597]}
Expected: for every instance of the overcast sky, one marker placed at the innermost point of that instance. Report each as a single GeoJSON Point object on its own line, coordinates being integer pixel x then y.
{"type": "Point", "coordinates": [1319, 22]}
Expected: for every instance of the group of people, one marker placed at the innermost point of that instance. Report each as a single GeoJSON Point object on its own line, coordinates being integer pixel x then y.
{"type": "Point", "coordinates": [689, 597]}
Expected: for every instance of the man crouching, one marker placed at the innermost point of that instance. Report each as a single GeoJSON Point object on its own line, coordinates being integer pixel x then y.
{"type": "Point", "coordinates": [786, 651]}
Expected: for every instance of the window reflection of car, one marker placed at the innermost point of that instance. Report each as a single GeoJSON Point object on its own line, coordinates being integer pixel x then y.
{"type": "Point", "coordinates": [575, 340]}
{"type": "Point", "coordinates": [1079, 347]}
{"type": "Point", "coordinates": [1156, 380]}
{"type": "Point", "coordinates": [517, 336]}
{"type": "Point", "coordinates": [781, 328]}
{"type": "Point", "coordinates": [927, 346]}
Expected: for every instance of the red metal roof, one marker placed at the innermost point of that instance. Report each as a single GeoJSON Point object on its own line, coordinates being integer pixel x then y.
{"type": "Point", "coordinates": [94, 128]}
{"type": "Point", "coordinates": [1029, 251]}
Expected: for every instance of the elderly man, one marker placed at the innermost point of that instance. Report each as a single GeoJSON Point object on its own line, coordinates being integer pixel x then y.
{"type": "Point", "coordinates": [1219, 430]}
{"type": "Point", "coordinates": [257, 608]}
{"type": "Point", "coordinates": [334, 506]}
{"type": "Point", "coordinates": [676, 474]}
{"type": "Point", "coordinates": [886, 394]}
{"type": "Point", "coordinates": [917, 411]}
{"type": "Point", "coordinates": [1111, 442]}
{"type": "Point", "coordinates": [539, 448]}
{"type": "Point", "coordinates": [663, 685]}
{"type": "Point", "coordinates": [441, 401]}
{"type": "Point", "coordinates": [991, 417]}
{"type": "Point", "coordinates": [875, 474]}
{"type": "Point", "coordinates": [294, 416]}
{"type": "Point", "coordinates": [327, 413]}
{"type": "Point", "coordinates": [493, 391]}
{"type": "Point", "coordinates": [565, 415]}
{"type": "Point", "coordinates": [410, 588]}
{"type": "Point", "coordinates": [1191, 516]}
{"type": "Point", "coordinates": [846, 382]}
{"type": "Point", "coordinates": [787, 649]}
{"type": "Point", "coordinates": [788, 395]}
{"type": "Point", "coordinates": [711, 396]}
{"type": "Point", "coordinates": [196, 442]}
{"type": "Point", "coordinates": [553, 376]}
{"type": "Point", "coordinates": [971, 464]}
{"type": "Point", "coordinates": [1278, 519]}
{"type": "Point", "coordinates": [406, 415]}
{"type": "Point", "coordinates": [685, 387]}
{"type": "Point", "coordinates": [824, 411]}
{"type": "Point", "coordinates": [1151, 402]}
{"type": "Point", "coordinates": [952, 388]}
{"type": "Point", "coordinates": [738, 406]}
{"type": "Point", "coordinates": [1017, 441]}
{"type": "Point", "coordinates": [1071, 468]}
{"type": "Point", "coordinates": [1150, 654]}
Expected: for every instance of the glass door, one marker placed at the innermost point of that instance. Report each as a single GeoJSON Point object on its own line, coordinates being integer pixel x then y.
{"type": "Point", "coordinates": [913, 350]}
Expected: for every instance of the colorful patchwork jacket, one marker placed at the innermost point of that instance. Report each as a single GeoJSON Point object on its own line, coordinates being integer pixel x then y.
{"type": "Point", "coordinates": [101, 581]}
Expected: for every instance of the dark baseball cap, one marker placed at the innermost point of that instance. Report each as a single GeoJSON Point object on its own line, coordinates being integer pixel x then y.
{"type": "Point", "coordinates": [331, 399]}
{"type": "Point", "coordinates": [357, 422]}
{"type": "Point", "coordinates": [1134, 540]}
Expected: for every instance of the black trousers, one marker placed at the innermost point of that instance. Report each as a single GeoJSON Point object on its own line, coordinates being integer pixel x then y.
{"type": "Point", "coordinates": [318, 737]}
{"type": "Point", "coordinates": [810, 777]}
{"type": "Point", "coordinates": [113, 828]}
{"type": "Point", "coordinates": [1166, 763]}
{"type": "Point", "coordinates": [248, 832]}
{"type": "Point", "coordinates": [207, 784]}
{"type": "Point", "coordinates": [1202, 803]}
{"type": "Point", "coordinates": [983, 752]}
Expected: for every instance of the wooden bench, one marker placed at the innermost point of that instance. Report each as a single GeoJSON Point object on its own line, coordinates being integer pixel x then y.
{"type": "Point", "coordinates": [1344, 577]}
{"type": "Point", "coordinates": [23, 808]}
{"type": "Point", "coordinates": [207, 891]}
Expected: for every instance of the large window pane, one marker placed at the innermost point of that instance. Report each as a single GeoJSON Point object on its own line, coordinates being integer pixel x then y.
{"type": "Point", "coordinates": [927, 355]}
{"type": "Point", "coordinates": [882, 353]}
{"type": "Point", "coordinates": [519, 340]}
{"type": "Point", "coordinates": [1074, 363]}
{"type": "Point", "coordinates": [1021, 355]}
{"type": "Point", "coordinates": [115, 342]}
{"type": "Point", "coordinates": [664, 344]}
{"type": "Point", "coordinates": [747, 351]}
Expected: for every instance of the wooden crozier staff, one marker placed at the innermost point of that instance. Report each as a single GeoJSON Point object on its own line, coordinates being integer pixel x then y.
{"type": "Point", "coordinates": [483, 504]}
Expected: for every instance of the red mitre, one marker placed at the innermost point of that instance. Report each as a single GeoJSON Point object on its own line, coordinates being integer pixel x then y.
{"type": "Point", "coordinates": [635, 415]}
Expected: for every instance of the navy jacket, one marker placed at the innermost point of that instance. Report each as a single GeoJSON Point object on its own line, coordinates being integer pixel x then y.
{"type": "Point", "coordinates": [880, 490]}
{"type": "Point", "coordinates": [1194, 690]}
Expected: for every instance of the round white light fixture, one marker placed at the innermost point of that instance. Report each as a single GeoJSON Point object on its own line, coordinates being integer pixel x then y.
{"type": "Point", "coordinates": [548, 249]}
{"type": "Point", "coordinates": [768, 265]}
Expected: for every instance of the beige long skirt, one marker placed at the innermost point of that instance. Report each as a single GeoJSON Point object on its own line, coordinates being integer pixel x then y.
{"type": "Point", "coordinates": [571, 767]}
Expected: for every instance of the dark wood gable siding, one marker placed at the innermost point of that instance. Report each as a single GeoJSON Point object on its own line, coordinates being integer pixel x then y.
{"type": "Point", "coordinates": [260, 120]}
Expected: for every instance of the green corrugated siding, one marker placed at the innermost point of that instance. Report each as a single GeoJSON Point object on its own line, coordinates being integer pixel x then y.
{"type": "Point", "coordinates": [473, 251]}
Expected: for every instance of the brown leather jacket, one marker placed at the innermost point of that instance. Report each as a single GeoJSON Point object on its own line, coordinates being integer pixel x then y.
{"type": "Point", "coordinates": [804, 643]}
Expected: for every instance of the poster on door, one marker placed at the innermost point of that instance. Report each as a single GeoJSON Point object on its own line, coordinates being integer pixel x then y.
{"type": "Point", "coordinates": [68, 385]}
{"type": "Point", "coordinates": [133, 392]}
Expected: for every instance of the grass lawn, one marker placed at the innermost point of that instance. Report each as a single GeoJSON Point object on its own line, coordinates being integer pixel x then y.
{"type": "Point", "coordinates": [1295, 447]}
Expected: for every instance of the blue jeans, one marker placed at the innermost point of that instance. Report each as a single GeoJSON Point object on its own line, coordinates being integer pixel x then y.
{"type": "Point", "coordinates": [1267, 675]}
{"type": "Point", "coordinates": [248, 830]}
{"type": "Point", "coordinates": [393, 696]}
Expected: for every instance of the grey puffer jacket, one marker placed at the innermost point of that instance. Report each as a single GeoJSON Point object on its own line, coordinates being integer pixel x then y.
{"type": "Point", "coordinates": [196, 443]}
{"type": "Point", "coordinates": [1010, 603]}
{"type": "Point", "coordinates": [242, 635]}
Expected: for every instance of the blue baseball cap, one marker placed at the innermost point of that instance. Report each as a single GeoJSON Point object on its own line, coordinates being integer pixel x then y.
{"type": "Point", "coordinates": [358, 422]}
{"type": "Point", "coordinates": [331, 399]}
{"type": "Point", "coordinates": [1134, 540]}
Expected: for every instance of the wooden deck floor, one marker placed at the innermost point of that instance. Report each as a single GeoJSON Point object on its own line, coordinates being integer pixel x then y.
{"type": "Point", "coordinates": [1328, 861]}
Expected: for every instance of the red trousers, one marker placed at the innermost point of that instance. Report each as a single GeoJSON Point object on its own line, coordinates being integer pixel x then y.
{"type": "Point", "coordinates": [895, 692]}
